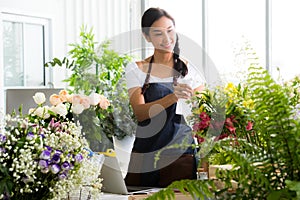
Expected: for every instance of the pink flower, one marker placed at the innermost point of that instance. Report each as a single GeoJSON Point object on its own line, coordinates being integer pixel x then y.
{"type": "Point", "coordinates": [85, 101]}
{"type": "Point", "coordinates": [231, 129]}
{"type": "Point", "coordinates": [249, 126]}
{"type": "Point", "coordinates": [76, 99]}
{"type": "Point", "coordinates": [203, 124]}
{"type": "Point", "coordinates": [200, 139]}
{"type": "Point", "coordinates": [222, 136]}
{"type": "Point", "coordinates": [104, 103]}
{"type": "Point", "coordinates": [204, 116]}
{"type": "Point", "coordinates": [229, 124]}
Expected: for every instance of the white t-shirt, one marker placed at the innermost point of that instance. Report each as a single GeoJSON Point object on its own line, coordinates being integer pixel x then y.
{"type": "Point", "coordinates": [135, 77]}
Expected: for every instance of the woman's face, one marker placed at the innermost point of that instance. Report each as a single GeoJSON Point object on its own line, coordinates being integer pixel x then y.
{"type": "Point", "coordinates": [162, 34]}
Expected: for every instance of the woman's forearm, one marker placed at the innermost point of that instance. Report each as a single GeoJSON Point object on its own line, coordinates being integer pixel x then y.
{"type": "Point", "coordinates": [148, 110]}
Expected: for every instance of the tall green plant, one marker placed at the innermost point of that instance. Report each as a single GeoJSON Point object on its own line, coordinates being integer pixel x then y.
{"type": "Point", "coordinates": [263, 166]}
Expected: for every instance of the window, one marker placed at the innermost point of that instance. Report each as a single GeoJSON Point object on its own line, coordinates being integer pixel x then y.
{"type": "Point", "coordinates": [236, 34]}
{"type": "Point", "coordinates": [285, 38]}
{"type": "Point", "coordinates": [188, 22]}
{"type": "Point", "coordinates": [25, 49]}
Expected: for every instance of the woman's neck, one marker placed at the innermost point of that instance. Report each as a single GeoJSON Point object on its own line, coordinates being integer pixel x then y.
{"type": "Point", "coordinates": [163, 58]}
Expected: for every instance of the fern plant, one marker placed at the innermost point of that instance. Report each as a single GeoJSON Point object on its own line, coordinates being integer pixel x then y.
{"type": "Point", "coordinates": [264, 165]}
{"type": "Point", "coordinates": [266, 161]}
{"type": "Point", "coordinates": [191, 188]}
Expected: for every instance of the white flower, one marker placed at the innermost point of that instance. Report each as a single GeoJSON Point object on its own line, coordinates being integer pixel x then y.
{"type": "Point", "coordinates": [39, 98]}
{"type": "Point", "coordinates": [61, 109]}
{"type": "Point", "coordinates": [40, 111]}
{"type": "Point", "coordinates": [77, 108]}
{"type": "Point", "coordinates": [94, 99]}
{"type": "Point", "coordinates": [31, 111]}
{"type": "Point", "coordinates": [46, 114]}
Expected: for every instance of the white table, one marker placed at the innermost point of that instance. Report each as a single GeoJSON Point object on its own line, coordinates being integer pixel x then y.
{"type": "Point", "coordinates": [108, 196]}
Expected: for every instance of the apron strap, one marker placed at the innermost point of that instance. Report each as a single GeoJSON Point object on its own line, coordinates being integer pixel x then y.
{"type": "Point", "coordinates": [147, 79]}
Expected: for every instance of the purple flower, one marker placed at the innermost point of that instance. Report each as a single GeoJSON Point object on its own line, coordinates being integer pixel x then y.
{"type": "Point", "coordinates": [58, 152]}
{"type": "Point", "coordinates": [2, 138]}
{"type": "Point", "coordinates": [49, 148]}
{"type": "Point", "coordinates": [2, 150]}
{"type": "Point", "coordinates": [30, 136]}
{"type": "Point", "coordinates": [54, 168]}
{"type": "Point", "coordinates": [54, 124]}
{"type": "Point", "coordinates": [55, 158]}
{"type": "Point", "coordinates": [45, 155]}
{"type": "Point", "coordinates": [65, 166]}
{"type": "Point", "coordinates": [62, 176]}
{"type": "Point", "coordinates": [78, 158]}
{"type": "Point", "coordinates": [43, 164]}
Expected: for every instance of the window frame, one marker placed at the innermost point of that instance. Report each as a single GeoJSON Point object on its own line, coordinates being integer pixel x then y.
{"type": "Point", "coordinates": [45, 23]}
{"type": "Point", "coordinates": [47, 49]}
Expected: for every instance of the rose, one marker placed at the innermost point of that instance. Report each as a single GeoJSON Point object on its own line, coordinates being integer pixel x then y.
{"type": "Point", "coordinates": [64, 96]}
{"type": "Point", "coordinates": [55, 99]}
{"type": "Point", "coordinates": [85, 101]}
{"type": "Point", "coordinates": [98, 99]}
{"type": "Point", "coordinates": [60, 109]}
{"type": "Point", "coordinates": [76, 98]}
{"type": "Point", "coordinates": [104, 103]}
{"type": "Point", "coordinates": [94, 99]}
{"type": "Point", "coordinates": [77, 108]}
{"type": "Point", "coordinates": [39, 98]}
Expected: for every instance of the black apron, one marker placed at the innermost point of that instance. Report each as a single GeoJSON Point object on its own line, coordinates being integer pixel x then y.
{"type": "Point", "coordinates": [152, 135]}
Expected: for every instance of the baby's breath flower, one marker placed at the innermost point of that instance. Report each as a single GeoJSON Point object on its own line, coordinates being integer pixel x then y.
{"type": "Point", "coordinates": [31, 148]}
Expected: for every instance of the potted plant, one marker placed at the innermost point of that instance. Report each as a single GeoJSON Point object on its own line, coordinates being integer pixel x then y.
{"type": "Point", "coordinates": [99, 69]}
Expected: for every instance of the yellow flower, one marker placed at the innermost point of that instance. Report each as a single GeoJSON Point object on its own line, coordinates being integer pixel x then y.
{"type": "Point", "coordinates": [230, 89]}
{"type": "Point", "coordinates": [199, 110]}
{"type": "Point", "coordinates": [248, 103]}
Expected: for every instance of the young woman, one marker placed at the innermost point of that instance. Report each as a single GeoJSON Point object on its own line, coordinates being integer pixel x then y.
{"type": "Point", "coordinates": [155, 86]}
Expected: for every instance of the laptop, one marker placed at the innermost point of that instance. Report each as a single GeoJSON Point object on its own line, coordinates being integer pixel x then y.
{"type": "Point", "coordinates": [113, 180]}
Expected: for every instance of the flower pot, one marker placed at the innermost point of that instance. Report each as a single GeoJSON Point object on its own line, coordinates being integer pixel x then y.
{"type": "Point", "coordinates": [123, 150]}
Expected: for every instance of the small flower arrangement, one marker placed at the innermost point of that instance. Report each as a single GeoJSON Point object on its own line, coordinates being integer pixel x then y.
{"type": "Point", "coordinates": [44, 155]}
{"type": "Point", "coordinates": [219, 114]}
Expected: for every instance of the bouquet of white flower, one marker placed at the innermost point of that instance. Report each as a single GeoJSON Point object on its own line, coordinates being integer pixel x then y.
{"type": "Point", "coordinates": [44, 155]}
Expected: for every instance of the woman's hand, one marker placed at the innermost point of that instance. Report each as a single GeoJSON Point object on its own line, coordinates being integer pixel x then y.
{"type": "Point", "coordinates": [183, 91]}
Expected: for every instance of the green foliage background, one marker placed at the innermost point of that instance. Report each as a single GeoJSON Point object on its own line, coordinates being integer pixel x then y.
{"type": "Point", "coordinates": [265, 163]}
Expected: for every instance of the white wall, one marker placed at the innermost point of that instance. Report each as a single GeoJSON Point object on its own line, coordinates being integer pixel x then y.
{"type": "Point", "coordinates": [107, 17]}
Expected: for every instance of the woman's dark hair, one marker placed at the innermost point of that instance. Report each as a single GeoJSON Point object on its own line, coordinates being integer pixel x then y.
{"type": "Point", "coordinates": [149, 17]}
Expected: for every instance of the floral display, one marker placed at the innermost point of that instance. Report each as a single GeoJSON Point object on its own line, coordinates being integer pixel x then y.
{"type": "Point", "coordinates": [221, 113]}
{"type": "Point", "coordinates": [231, 104]}
{"type": "Point", "coordinates": [258, 157]}
{"type": "Point", "coordinates": [44, 155]}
